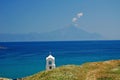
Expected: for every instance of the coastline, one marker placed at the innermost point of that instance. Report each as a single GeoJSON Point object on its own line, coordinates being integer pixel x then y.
{"type": "Point", "coordinates": [93, 68]}
{"type": "Point", "coordinates": [29, 58]}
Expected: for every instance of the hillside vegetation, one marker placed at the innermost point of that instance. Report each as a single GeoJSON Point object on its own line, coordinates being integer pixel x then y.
{"type": "Point", "coordinates": [107, 70]}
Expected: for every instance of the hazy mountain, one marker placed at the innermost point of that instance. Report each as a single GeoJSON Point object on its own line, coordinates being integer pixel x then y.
{"type": "Point", "coordinates": [72, 33]}
{"type": "Point", "coordinates": [67, 33]}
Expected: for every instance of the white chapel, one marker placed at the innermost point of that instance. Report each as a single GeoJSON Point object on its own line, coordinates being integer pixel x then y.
{"type": "Point", "coordinates": [50, 62]}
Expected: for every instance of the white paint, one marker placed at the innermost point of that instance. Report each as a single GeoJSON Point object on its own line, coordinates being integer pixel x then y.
{"type": "Point", "coordinates": [50, 62]}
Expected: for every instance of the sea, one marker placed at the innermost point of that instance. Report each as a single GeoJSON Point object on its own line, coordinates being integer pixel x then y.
{"type": "Point", "coordinates": [21, 59]}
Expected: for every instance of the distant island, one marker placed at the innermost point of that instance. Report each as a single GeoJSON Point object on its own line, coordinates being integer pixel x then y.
{"type": "Point", "coordinates": [2, 47]}
{"type": "Point", "coordinates": [70, 33]}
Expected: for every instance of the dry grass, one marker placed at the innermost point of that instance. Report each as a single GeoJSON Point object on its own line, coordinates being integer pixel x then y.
{"type": "Point", "coordinates": [108, 70]}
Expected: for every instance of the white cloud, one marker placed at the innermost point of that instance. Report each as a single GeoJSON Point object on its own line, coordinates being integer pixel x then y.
{"type": "Point", "coordinates": [74, 19]}
{"type": "Point", "coordinates": [79, 15]}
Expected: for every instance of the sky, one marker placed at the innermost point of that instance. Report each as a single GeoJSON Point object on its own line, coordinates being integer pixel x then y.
{"type": "Point", "coordinates": [38, 16]}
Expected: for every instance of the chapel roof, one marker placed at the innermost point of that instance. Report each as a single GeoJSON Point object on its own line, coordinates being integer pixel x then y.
{"type": "Point", "coordinates": [50, 57]}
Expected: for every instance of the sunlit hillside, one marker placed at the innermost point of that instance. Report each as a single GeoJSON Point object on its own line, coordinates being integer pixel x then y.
{"type": "Point", "coordinates": [107, 70]}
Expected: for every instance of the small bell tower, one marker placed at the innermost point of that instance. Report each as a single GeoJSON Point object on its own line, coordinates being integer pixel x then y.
{"type": "Point", "coordinates": [50, 62]}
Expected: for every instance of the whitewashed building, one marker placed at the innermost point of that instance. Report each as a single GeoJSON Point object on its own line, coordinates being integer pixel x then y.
{"type": "Point", "coordinates": [50, 62]}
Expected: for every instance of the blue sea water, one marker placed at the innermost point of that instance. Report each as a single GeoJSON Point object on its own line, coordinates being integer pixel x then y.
{"type": "Point", "coordinates": [20, 59]}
